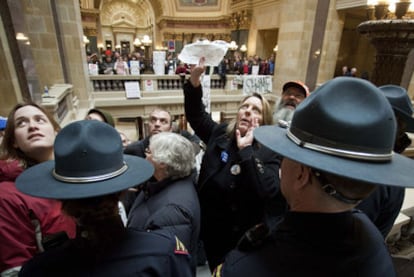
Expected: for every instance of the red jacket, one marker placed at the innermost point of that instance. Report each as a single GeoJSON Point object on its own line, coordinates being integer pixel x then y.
{"type": "Point", "coordinates": [20, 214]}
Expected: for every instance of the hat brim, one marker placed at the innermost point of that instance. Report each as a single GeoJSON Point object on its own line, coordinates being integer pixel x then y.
{"type": "Point", "coordinates": [392, 173]}
{"type": "Point", "coordinates": [38, 181]}
{"type": "Point", "coordinates": [408, 119]}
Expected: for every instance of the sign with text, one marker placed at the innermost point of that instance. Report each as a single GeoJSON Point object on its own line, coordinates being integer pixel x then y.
{"type": "Point", "coordinates": [132, 90]}
{"type": "Point", "coordinates": [206, 84]}
{"type": "Point", "coordinates": [93, 69]}
{"type": "Point", "coordinates": [159, 62]}
{"type": "Point", "coordinates": [149, 85]}
{"type": "Point", "coordinates": [255, 70]}
{"type": "Point", "coordinates": [260, 84]}
{"type": "Point", "coordinates": [135, 67]}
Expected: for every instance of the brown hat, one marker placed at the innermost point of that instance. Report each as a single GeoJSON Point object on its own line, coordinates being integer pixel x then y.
{"type": "Point", "coordinates": [297, 84]}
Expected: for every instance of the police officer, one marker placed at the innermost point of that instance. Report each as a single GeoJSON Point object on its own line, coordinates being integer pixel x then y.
{"type": "Point", "coordinates": [88, 175]}
{"type": "Point", "coordinates": [325, 173]}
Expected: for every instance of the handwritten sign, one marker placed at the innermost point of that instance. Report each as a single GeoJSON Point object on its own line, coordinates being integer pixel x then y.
{"type": "Point", "coordinates": [206, 84]}
{"type": "Point", "coordinates": [135, 67]}
{"type": "Point", "coordinates": [260, 84]}
{"type": "Point", "coordinates": [159, 62]}
{"type": "Point", "coordinates": [93, 69]}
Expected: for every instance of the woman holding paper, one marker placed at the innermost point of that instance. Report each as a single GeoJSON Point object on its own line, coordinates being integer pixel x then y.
{"type": "Point", "coordinates": [239, 178]}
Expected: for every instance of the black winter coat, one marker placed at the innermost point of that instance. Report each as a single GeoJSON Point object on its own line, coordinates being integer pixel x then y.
{"type": "Point", "coordinates": [237, 189]}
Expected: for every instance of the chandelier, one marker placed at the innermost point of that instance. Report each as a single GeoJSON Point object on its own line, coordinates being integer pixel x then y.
{"type": "Point", "coordinates": [240, 19]}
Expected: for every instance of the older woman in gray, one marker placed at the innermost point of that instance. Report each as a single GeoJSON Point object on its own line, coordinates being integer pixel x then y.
{"type": "Point", "coordinates": [169, 200]}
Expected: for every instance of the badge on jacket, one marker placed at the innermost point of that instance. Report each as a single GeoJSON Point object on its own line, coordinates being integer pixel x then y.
{"type": "Point", "coordinates": [180, 247]}
{"type": "Point", "coordinates": [224, 156]}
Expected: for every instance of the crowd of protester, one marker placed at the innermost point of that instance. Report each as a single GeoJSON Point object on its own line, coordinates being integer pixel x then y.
{"type": "Point", "coordinates": [113, 62]}
{"type": "Point", "coordinates": [276, 190]}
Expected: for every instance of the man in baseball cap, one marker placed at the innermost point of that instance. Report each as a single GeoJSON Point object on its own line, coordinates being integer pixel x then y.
{"type": "Point", "coordinates": [294, 92]}
{"type": "Point", "coordinates": [336, 151]}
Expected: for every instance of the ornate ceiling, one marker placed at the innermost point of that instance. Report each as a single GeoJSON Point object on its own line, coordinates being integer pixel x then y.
{"type": "Point", "coordinates": [168, 17]}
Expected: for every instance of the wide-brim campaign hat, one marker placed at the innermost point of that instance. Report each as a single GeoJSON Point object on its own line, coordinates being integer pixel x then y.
{"type": "Point", "coordinates": [89, 162]}
{"type": "Point", "coordinates": [401, 103]}
{"type": "Point", "coordinates": [346, 127]}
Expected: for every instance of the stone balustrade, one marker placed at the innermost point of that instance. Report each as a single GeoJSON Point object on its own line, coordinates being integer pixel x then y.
{"type": "Point", "coordinates": [164, 91]}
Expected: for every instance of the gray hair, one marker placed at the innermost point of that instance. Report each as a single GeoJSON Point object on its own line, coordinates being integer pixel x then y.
{"type": "Point", "coordinates": [175, 151]}
{"type": "Point", "coordinates": [282, 113]}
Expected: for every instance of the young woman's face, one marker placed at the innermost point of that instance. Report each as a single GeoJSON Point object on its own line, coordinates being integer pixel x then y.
{"type": "Point", "coordinates": [250, 110]}
{"type": "Point", "coordinates": [33, 131]}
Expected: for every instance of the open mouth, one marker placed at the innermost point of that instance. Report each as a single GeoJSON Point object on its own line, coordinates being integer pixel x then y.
{"type": "Point", "coordinates": [290, 105]}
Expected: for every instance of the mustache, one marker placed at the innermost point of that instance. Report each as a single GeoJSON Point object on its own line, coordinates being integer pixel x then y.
{"type": "Point", "coordinates": [289, 103]}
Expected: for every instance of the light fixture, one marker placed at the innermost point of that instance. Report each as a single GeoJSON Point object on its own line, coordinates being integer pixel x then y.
{"type": "Point", "coordinates": [240, 19]}
{"type": "Point", "coordinates": [243, 48]}
{"type": "Point", "coordinates": [391, 9]}
{"type": "Point", "coordinates": [100, 45]}
{"type": "Point", "coordinates": [146, 40]}
{"type": "Point", "coordinates": [276, 48]}
{"type": "Point", "coordinates": [390, 28]}
{"type": "Point", "coordinates": [85, 40]}
{"type": "Point", "coordinates": [233, 46]}
{"type": "Point", "coordinates": [137, 42]}
{"type": "Point", "coordinates": [21, 36]}
{"type": "Point", "coordinates": [118, 46]}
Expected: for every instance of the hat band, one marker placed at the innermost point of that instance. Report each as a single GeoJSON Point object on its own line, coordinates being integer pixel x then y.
{"type": "Point", "coordinates": [90, 179]}
{"type": "Point", "coordinates": [339, 152]}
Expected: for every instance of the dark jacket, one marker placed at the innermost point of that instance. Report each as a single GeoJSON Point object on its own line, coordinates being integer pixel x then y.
{"type": "Point", "coordinates": [315, 244]}
{"type": "Point", "coordinates": [137, 148]}
{"type": "Point", "coordinates": [382, 206]}
{"type": "Point", "coordinates": [231, 203]}
{"type": "Point", "coordinates": [169, 204]}
{"type": "Point", "coordinates": [139, 253]}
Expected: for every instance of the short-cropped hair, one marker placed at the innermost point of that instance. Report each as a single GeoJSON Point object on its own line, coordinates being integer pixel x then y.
{"type": "Point", "coordinates": [174, 150]}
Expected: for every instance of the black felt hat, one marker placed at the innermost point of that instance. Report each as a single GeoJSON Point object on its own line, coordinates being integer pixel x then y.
{"type": "Point", "coordinates": [346, 127]}
{"type": "Point", "coordinates": [89, 162]}
{"type": "Point", "coordinates": [401, 103]}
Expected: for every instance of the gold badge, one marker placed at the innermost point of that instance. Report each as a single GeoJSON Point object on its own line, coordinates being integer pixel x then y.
{"type": "Point", "coordinates": [180, 247]}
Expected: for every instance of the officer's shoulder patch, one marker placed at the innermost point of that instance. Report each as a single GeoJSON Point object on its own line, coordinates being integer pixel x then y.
{"type": "Point", "coordinates": [180, 247]}
{"type": "Point", "coordinates": [217, 271]}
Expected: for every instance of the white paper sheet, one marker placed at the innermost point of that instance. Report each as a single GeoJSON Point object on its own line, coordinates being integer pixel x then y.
{"type": "Point", "coordinates": [213, 51]}
{"type": "Point", "coordinates": [132, 90]}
